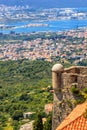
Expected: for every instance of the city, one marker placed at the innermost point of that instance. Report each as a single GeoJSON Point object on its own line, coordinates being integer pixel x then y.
{"type": "Point", "coordinates": [43, 59]}
{"type": "Point", "coordinates": [66, 46]}
{"type": "Point", "coordinates": [14, 13]}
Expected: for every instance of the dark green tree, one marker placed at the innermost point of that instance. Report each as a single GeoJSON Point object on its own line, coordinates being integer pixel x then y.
{"type": "Point", "coordinates": [24, 97]}
{"type": "Point", "coordinates": [38, 124]}
{"type": "Point", "coordinates": [15, 125]}
{"type": "Point", "coordinates": [48, 123]}
{"type": "Point", "coordinates": [17, 115]}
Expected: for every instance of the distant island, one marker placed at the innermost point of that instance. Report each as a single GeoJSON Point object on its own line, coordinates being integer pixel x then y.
{"type": "Point", "coordinates": [36, 25]}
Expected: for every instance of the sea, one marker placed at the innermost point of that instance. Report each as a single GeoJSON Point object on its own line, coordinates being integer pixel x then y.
{"type": "Point", "coordinates": [53, 26]}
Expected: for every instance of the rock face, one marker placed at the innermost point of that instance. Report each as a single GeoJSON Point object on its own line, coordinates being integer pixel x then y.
{"type": "Point", "coordinates": [64, 99]}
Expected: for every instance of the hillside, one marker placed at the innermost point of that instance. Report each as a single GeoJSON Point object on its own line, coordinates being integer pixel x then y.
{"type": "Point", "coordinates": [23, 88]}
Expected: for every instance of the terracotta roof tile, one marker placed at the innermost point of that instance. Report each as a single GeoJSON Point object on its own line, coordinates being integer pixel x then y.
{"type": "Point", "coordinates": [75, 120]}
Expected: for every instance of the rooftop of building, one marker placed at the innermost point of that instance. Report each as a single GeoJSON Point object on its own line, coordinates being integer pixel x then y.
{"type": "Point", "coordinates": [75, 120]}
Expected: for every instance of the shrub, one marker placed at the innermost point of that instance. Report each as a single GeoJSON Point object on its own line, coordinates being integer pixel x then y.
{"type": "Point", "coordinates": [85, 113]}
{"type": "Point", "coordinates": [38, 124]}
{"type": "Point", "coordinates": [17, 115]}
{"type": "Point", "coordinates": [48, 123]}
{"type": "Point", "coordinates": [85, 90]}
{"type": "Point", "coordinates": [69, 103]}
{"type": "Point", "coordinates": [74, 89]}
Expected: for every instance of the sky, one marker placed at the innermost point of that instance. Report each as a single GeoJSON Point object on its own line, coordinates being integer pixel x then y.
{"type": "Point", "coordinates": [47, 3]}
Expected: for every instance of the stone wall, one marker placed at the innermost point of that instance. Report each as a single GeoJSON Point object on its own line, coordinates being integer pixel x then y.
{"type": "Point", "coordinates": [64, 100]}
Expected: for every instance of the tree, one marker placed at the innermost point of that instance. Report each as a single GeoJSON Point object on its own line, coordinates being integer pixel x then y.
{"type": "Point", "coordinates": [48, 123]}
{"type": "Point", "coordinates": [15, 125]}
{"type": "Point", "coordinates": [24, 97]}
{"type": "Point", "coordinates": [38, 124]}
{"type": "Point", "coordinates": [17, 115]}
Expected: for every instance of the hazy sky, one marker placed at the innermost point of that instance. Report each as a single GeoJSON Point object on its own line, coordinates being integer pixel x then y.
{"type": "Point", "coordinates": [47, 3]}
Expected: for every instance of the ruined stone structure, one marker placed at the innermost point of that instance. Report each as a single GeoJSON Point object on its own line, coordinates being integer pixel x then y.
{"type": "Point", "coordinates": [63, 80]}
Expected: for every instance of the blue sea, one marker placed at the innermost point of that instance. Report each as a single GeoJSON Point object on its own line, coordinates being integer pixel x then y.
{"type": "Point", "coordinates": [53, 26]}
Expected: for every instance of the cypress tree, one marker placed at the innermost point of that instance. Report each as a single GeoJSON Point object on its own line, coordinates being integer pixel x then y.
{"type": "Point", "coordinates": [48, 123]}
{"type": "Point", "coordinates": [38, 124]}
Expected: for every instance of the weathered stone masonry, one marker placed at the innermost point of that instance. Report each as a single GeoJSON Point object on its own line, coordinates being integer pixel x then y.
{"type": "Point", "coordinates": [63, 79]}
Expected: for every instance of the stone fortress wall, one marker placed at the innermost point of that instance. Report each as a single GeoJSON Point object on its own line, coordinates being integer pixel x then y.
{"type": "Point", "coordinates": [63, 79]}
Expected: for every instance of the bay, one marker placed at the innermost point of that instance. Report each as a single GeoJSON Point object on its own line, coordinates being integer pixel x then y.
{"type": "Point", "coordinates": [53, 26]}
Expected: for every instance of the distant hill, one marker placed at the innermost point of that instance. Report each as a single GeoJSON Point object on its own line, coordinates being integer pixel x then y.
{"type": "Point", "coordinates": [47, 3]}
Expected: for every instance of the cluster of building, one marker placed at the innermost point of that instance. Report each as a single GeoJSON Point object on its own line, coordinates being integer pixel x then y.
{"type": "Point", "coordinates": [26, 12]}
{"type": "Point", "coordinates": [69, 45]}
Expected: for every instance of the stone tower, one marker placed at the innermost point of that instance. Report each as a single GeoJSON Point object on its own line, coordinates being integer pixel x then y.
{"type": "Point", "coordinates": [63, 80]}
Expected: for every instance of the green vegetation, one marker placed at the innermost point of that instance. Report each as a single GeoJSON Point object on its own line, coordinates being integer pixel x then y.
{"type": "Point", "coordinates": [48, 123]}
{"type": "Point", "coordinates": [17, 115]}
{"type": "Point", "coordinates": [69, 103]}
{"type": "Point", "coordinates": [38, 123]}
{"type": "Point", "coordinates": [28, 37]}
{"type": "Point", "coordinates": [74, 89]}
{"type": "Point", "coordinates": [85, 113]}
{"type": "Point", "coordinates": [79, 94]}
{"type": "Point", "coordinates": [83, 63]}
{"type": "Point", "coordinates": [24, 87]}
